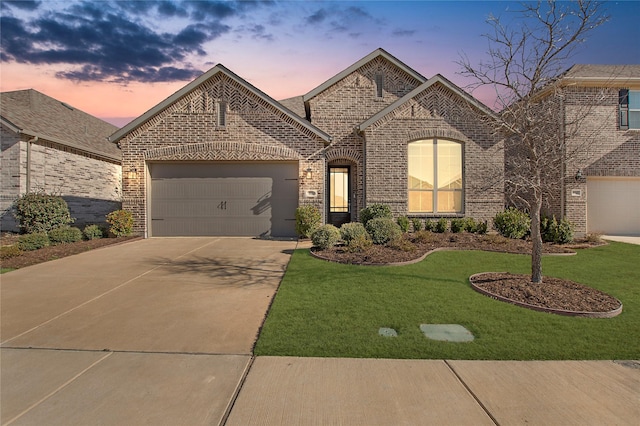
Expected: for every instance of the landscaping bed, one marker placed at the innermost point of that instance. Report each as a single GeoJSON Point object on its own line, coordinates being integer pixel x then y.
{"type": "Point", "coordinates": [45, 254]}
{"type": "Point", "coordinates": [553, 295]}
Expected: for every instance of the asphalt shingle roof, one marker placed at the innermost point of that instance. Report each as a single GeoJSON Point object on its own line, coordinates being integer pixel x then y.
{"type": "Point", "coordinates": [36, 114]}
{"type": "Point", "coordinates": [603, 71]}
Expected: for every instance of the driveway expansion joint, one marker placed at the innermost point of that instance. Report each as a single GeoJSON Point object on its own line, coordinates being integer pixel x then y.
{"type": "Point", "coordinates": [484, 408]}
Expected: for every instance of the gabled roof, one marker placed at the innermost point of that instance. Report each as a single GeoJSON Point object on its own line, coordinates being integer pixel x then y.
{"type": "Point", "coordinates": [424, 86]}
{"type": "Point", "coordinates": [197, 82]}
{"type": "Point", "coordinates": [607, 73]}
{"type": "Point", "coordinates": [370, 57]}
{"type": "Point", "coordinates": [36, 114]}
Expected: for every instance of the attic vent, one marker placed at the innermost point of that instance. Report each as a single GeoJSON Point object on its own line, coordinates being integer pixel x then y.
{"type": "Point", "coordinates": [379, 85]}
{"type": "Point", "coordinates": [66, 105]}
{"type": "Point", "coordinates": [222, 114]}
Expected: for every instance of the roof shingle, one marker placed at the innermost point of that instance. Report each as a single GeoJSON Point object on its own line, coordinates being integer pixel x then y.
{"type": "Point", "coordinates": [36, 114]}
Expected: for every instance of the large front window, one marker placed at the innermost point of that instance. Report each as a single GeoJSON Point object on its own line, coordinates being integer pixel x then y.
{"type": "Point", "coordinates": [435, 176]}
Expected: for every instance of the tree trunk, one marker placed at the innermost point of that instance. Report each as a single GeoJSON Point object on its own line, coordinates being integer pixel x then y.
{"type": "Point", "coordinates": [536, 238]}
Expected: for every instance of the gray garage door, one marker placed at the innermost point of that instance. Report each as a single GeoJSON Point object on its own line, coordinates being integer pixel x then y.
{"type": "Point", "coordinates": [226, 199]}
{"type": "Point", "coordinates": [613, 205]}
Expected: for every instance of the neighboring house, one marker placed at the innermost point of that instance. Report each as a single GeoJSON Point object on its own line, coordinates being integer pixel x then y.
{"type": "Point", "coordinates": [220, 157]}
{"type": "Point", "coordinates": [601, 190]}
{"type": "Point", "coordinates": [53, 147]}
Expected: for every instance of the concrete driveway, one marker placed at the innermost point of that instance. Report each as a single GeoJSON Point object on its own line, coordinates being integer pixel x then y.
{"type": "Point", "coordinates": [148, 332]}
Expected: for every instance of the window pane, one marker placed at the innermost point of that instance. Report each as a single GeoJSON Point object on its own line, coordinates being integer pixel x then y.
{"type": "Point", "coordinates": [449, 165]}
{"type": "Point", "coordinates": [449, 201]}
{"type": "Point", "coordinates": [634, 99]}
{"type": "Point", "coordinates": [339, 190]}
{"type": "Point", "coordinates": [421, 173]}
{"type": "Point", "coordinates": [634, 119]}
{"type": "Point", "coordinates": [421, 201]}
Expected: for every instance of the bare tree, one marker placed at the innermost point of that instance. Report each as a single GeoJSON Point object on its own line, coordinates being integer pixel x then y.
{"type": "Point", "coordinates": [524, 63]}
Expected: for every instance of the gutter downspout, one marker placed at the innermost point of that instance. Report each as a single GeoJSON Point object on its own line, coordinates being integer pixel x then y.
{"type": "Point", "coordinates": [29, 143]}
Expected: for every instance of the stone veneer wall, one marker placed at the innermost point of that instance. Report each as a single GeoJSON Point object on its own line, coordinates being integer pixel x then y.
{"type": "Point", "coordinates": [436, 112]}
{"type": "Point", "coordinates": [188, 130]}
{"type": "Point", "coordinates": [91, 187]}
{"type": "Point", "coordinates": [348, 103]}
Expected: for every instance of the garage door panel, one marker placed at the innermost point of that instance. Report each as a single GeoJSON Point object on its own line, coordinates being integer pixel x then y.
{"type": "Point", "coordinates": [613, 205]}
{"type": "Point", "coordinates": [206, 199]}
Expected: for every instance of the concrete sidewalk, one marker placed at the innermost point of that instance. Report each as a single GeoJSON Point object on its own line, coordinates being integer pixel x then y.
{"type": "Point", "coordinates": [318, 391]}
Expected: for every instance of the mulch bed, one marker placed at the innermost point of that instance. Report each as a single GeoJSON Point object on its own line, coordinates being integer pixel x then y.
{"type": "Point", "coordinates": [553, 295]}
{"type": "Point", "coordinates": [59, 251]}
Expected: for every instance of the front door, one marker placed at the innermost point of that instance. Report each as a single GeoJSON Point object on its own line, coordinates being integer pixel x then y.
{"type": "Point", "coordinates": [339, 195]}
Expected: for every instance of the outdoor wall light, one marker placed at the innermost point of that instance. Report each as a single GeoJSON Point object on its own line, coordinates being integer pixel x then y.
{"type": "Point", "coordinates": [309, 174]}
{"type": "Point", "coordinates": [578, 174]}
{"type": "Point", "coordinates": [133, 173]}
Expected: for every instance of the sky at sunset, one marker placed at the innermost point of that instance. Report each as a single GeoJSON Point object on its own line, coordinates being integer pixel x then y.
{"type": "Point", "coordinates": [117, 59]}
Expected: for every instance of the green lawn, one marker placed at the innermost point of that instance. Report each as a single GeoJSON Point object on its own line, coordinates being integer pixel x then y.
{"type": "Point", "coordinates": [330, 310]}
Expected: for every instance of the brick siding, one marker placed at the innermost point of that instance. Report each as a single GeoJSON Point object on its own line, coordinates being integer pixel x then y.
{"type": "Point", "coordinates": [188, 130]}
{"type": "Point", "coordinates": [91, 187]}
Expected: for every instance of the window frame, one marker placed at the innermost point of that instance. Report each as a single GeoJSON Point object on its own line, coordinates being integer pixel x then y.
{"type": "Point", "coordinates": [625, 109]}
{"type": "Point", "coordinates": [435, 164]}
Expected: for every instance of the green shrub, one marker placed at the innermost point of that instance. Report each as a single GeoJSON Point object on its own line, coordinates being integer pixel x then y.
{"type": "Point", "coordinates": [564, 233]}
{"type": "Point", "coordinates": [556, 232]}
{"type": "Point", "coordinates": [403, 223]}
{"type": "Point", "coordinates": [383, 230]}
{"type": "Point", "coordinates": [352, 231]}
{"type": "Point", "coordinates": [458, 224]}
{"type": "Point", "coordinates": [92, 232]}
{"type": "Point", "coordinates": [402, 244]}
{"type": "Point", "coordinates": [481, 228]}
{"type": "Point", "coordinates": [375, 211]}
{"type": "Point", "coordinates": [308, 219]}
{"type": "Point", "coordinates": [65, 234]}
{"type": "Point", "coordinates": [39, 212]}
{"type": "Point", "coordinates": [512, 223]}
{"type": "Point", "coordinates": [470, 224]}
{"type": "Point", "coordinates": [424, 237]}
{"type": "Point", "coordinates": [33, 241]}
{"type": "Point", "coordinates": [7, 252]}
{"type": "Point", "coordinates": [359, 243]}
{"type": "Point", "coordinates": [441, 225]}
{"type": "Point", "coordinates": [429, 225]}
{"type": "Point", "coordinates": [121, 222]}
{"type": "Point", "coordinates": [325, 236]}
{"type": "Point", "coordinates": [417, 224]}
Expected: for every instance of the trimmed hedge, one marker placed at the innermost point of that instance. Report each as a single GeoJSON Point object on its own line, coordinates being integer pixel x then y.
{"type": "Point", "coordinates": [325, 236]}
{"type": "Point", "coordinates": [403, 223]}
{"type": "Point", "coordinates": [39, 212]}
{"type": "Point", "coordinates": [33, 241]}
{"type": "Point", "coordinates": [512, 223]}
{"type": "Point", "coordinates": [353, 231]}
{"type": "Point", "coordinates": [556, 232]}
{"type": "Point", "coordinates": [65, 234]}
{"type": "Point", "coordinates": [121, 222]}
{"type": "Point", "coordinates": [375, 211]}
{"type": "Point", "coordinates": [308, 219]}
{"type": "Point", "coordinates": [383, 230]}
{"type": "Point", "coordinates": [92, 232]}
